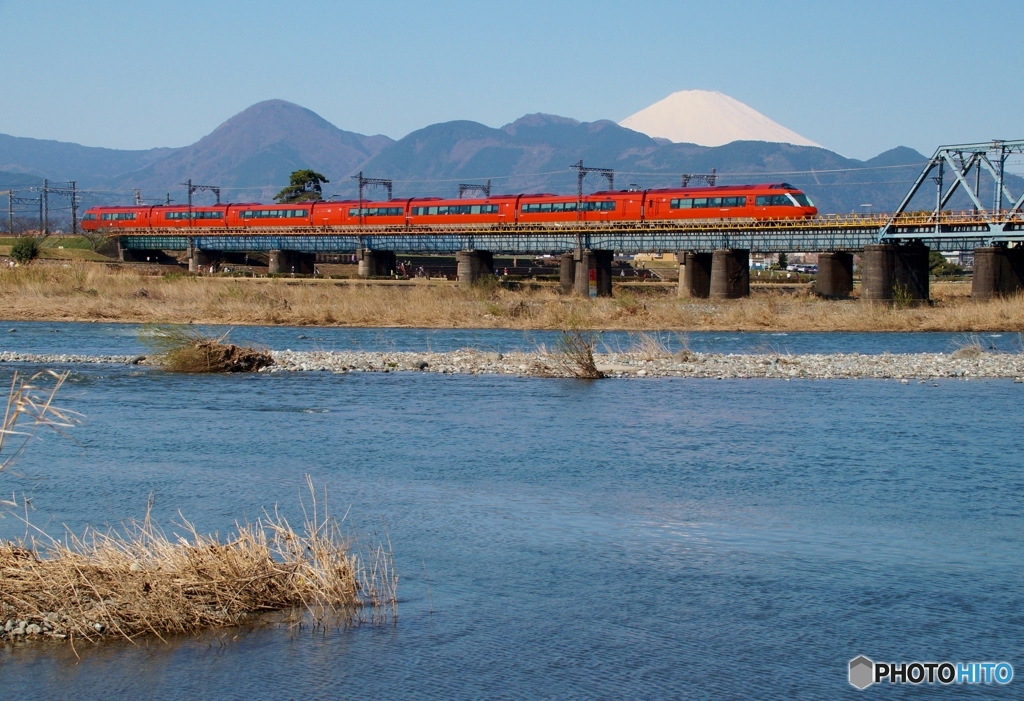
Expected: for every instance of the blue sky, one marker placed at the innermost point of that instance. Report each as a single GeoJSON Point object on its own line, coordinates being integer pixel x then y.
{"type": "Point", "coordinates": [857, 77]}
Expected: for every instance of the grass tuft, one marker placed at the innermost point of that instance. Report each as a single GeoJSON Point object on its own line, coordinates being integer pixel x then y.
{"type": "Point", "coordinates": [140, 581]}
{"type": "Point", "coordinates": [189, 351]}
{"type": "Point", "coordinates": [575, 354]}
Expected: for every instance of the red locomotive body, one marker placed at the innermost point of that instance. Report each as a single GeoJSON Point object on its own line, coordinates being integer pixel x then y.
{"type": "Point", "coordinates": [435, 211]}
{"type": "Point", "coordinates": [103, 218]}
{"type": "Point", "coordinates": [262, 216]}
{"type": "Point", "coordinates": [177, 217]}
{"type": "Point", "coordinates": [769, 201]}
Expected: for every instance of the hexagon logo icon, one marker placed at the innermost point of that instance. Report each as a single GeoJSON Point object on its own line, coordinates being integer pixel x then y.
{"type": "Point", "coordinates": [862, 672]}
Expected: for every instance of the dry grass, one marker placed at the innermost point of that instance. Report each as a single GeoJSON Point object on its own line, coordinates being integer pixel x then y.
{"type": "Point", "coordinates": [140, 581]}
{"type": "Point", "coordinates": [574, 353]}
{"type": "Point", "coordinates": [190, 351]}
{"type": "Point", "coordinates": [30, 400]}
{"type": "Point", "coordinates": [88, 292]}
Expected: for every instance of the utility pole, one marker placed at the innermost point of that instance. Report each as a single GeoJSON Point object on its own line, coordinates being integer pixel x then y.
{"type": "Point", "coordinates": [486, 189]}
{"type": "Point", "coordinates": [41, 210]}
{"type": "Point", "coordinates": [137, 196]}
{"type": "Point", "coordinates": [190, 191]}
{"type": "Point", "coordinates": [10, 212]}
{"type": "Point", "coordinates": [709, 178]}
{"type": "Point", "coordinates": [372, 182]}
{"type": "Point", "coordinates": [215, 189]}
{"type": "Point", "coordinates": [71, 192]}
{"type": "Point", "coordinates": [581, 174]}
{"type": "Point", "coordinates": [46, 207]}
{"type": "Point", "coordinates": [73, 186]}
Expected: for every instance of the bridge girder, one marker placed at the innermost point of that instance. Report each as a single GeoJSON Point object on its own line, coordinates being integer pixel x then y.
{"type": "Point", "coordinates": [988, 159]}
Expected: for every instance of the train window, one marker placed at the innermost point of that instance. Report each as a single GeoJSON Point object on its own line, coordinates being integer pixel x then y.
{"type": "Point", "coordinates": [714, 202]}
{"type": "Point", "coordinates": [89, 217]}
{"type": "Point", "coordinates": [700, 202]}
{"type": "Point", "coordinates": [117, 216]}
{"type": "Point", "coordinates": [195, 215]}
{"type": "Point", "coordinates": [545, 207]}
{"type": "Point", "coordinates": [802, 199]}
{"type": "Point", "coordinates": [773, 201]}
{"type": "Point", "coordinates": [258, 214]}
{"type": "Point", "coordinates": [369, 212]}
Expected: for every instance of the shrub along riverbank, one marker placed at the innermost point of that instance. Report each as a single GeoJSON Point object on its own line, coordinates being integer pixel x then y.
{"type": "Point", "coordinates": [88, 292]}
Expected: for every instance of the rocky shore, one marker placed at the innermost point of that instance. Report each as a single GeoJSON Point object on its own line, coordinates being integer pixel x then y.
{"type": "Point", "coordinates": [966, 363]}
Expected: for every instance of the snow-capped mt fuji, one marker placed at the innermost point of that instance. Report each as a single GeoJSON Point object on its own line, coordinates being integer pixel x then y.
{"type": "Point", "coordinates": [709, 118]}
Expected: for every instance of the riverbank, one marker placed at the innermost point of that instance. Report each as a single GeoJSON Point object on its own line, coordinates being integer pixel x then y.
{"type": "Point", "coordinates": [966, 363]}
{"type": "Point", "coordinates": [89, 292]}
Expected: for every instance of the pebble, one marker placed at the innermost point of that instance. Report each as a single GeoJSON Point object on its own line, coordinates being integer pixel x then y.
{"type": "Point", "coordinates": [903, 367]}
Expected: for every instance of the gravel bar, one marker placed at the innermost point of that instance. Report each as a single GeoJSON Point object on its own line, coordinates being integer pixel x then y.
{"type": "Point", "coordinates": [902, 366]}
{"type": "Point", "coordinates": [684, 364]}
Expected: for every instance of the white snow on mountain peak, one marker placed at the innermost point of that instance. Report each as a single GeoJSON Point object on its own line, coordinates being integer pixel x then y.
{"type": "Point", "coordinates": [709, 118]}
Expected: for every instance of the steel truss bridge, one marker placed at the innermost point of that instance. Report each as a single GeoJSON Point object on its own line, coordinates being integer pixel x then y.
{"type": "Point", "coordinates": [951, 169]}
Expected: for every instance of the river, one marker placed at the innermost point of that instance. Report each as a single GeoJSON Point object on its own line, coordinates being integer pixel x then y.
{"type": "Point", "coordinates": [558, 538]}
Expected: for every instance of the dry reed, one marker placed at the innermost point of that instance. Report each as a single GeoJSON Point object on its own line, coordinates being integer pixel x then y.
{"type": "Point", "coordinates": [190, 351]}
{"type": "Point", "coordinates": [139, 581]}
{"type": "Point", "coordinates": [91, 292]}
{"type": "Point", "coordinates": [31, 400]}
{"type": "Point", "coordinates": [575, 354]}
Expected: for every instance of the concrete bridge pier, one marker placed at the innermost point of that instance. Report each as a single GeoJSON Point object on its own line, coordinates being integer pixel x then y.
{"type": "Point", "coordinates": [473, 265]}
{"type": "Point", "coordinates": [835, 274]}
{"type": "Point", "coordinates": [284, 262]}
{"type": "Point", "coordinates": [567, 273]}
{"type": "Point", "coordinates": [998, 271]}
{"type": "Point", "coordinates": [133, 255]}
{"type": "Point", "coordinates": [596, 264]}
{"type": "Point", "coordinates": [200, 261]}
{"type": "Point", "coordinates": [730, 273]}
{"type": "Point", "coordinates": [375, 263]}
{"type": "Point", "coordinates": [891, 271]}
{"type": "Point", "coordinates": [695, 276]}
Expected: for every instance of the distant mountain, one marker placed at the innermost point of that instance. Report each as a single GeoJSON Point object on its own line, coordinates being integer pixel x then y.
{"type": "Point", "coordinates": [533, 154]}
{"type": "Point", "coordinates": [15, 181]}
{"type": "Point", "coordinates": [58, 160]}
{"type": "Point", "coordinates": [252, 154]}
{"type": "Point", "coordinates": [709, 118]}
{"type": "Point", "coordinates": [257, 149]}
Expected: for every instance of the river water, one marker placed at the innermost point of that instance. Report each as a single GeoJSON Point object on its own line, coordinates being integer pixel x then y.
{"type": "Point", "coordinates": [560, 538]}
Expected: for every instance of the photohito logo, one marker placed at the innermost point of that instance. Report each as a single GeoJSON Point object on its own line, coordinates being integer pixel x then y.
{"type": "Point", "coordinates": [864, 672]}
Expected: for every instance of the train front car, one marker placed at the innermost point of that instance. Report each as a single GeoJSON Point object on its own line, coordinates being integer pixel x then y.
{"type": "Point", "coordinates": [782, 201]}
{"type": "Point", "coordinates": [115, 218]}
{"type": "Point", "coordinates": [766, 201]}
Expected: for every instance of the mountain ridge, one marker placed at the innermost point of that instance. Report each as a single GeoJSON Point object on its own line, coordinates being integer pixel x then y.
{"type": "Point", "coordinates": [251, 155]}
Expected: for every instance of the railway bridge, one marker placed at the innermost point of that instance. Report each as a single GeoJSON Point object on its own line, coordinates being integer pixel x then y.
{"type": "Point", "coordinates": [714, 253]}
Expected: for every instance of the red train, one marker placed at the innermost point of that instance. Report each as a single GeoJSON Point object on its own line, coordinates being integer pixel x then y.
{"type": "Point", "coordinates": [757, 202]}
